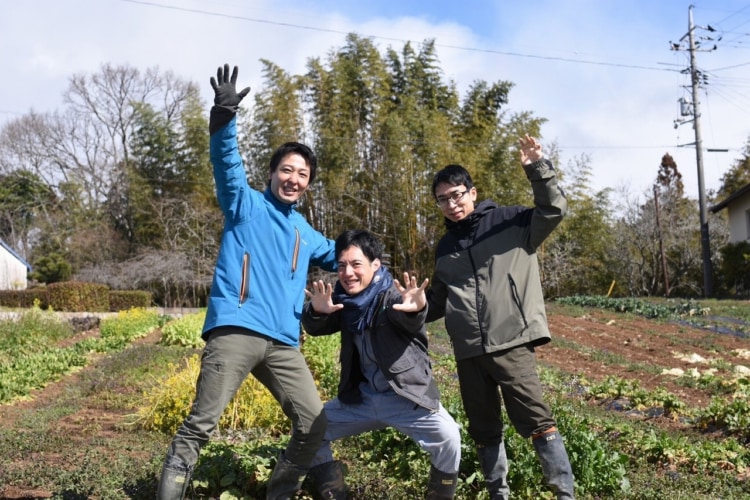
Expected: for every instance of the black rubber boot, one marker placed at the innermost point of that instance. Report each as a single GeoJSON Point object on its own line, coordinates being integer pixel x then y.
{"type": "Point", "coordinates": [329, 482]}
{"type": "Point", "coordinates": [556, 468]}
{"type": "Point", "coordinates": [285, 480]}
{"type": "Point", "coordinates": [494, 464]}
{"type": "Point", "coordinates": [441, 485]}
{"type": "Point", "coordinates": [174, 481]}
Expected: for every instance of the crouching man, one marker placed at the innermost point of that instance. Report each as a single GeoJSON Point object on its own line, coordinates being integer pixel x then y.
{"type": "Point", "coordinates": [386, 373]}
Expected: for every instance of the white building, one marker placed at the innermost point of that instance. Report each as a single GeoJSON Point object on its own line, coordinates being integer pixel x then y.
{"type": "Point", "coordinates": [13, 269]}
{"type": "Point", "coordinates": [738, 209]}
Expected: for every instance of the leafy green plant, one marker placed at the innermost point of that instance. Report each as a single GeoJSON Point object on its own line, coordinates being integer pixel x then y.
{"type": "Point", "coordinates": [640, 307]}
{"type": "Point", "coordinates": [30, 357]}
{"type": "Point", "coordinates": [127, 326]}
{"type": "Point", "coordinates": [185, 331]}
{"type": "Point", "coordinates": [322, 355]}
{"type": "Point", "coordinates": [733, 415]}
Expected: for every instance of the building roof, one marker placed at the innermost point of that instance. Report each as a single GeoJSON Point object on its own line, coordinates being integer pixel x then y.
{"type": "Point", "coordinates": [14, 254]}
{"type": "Point", "coordinates": [729, 199]}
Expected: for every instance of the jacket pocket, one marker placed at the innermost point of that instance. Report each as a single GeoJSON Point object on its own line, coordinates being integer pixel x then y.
{"type": "Point", "coordinates": [244, 279]}
{"type": "Point", "coordinates": [295, 254]}
{"type": "Point", "coordinates": [517, 299]}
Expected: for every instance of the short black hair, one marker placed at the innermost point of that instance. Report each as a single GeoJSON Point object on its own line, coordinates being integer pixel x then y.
{"type": "Point", "coordinates": [370, 245]}
{"type": "Point", "coordinates": [455, 175]}
{"type": "Point", "coordinates": [295, 148]}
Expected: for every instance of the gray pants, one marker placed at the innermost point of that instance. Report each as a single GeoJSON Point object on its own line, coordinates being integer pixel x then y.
{"type": "Point", "coordinates": [435, 432]}
{"type": "Point", "coordinates": [230, 355]}
{"type": "Point", "coordinates": [514, 372]}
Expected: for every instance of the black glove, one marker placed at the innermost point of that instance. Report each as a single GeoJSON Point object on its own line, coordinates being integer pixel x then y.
{"type": "Point", "coordinates": [226, 98]}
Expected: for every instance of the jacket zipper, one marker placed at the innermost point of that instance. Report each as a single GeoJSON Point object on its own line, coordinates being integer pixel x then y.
{"type": "Point", "coordinates": [245, 280]}
{"type": "Point", "coordinates": [295, 255]}
{"type": "Point", "coordinates": [477, 301]}
{"type": "Point", "coordinates": [517, 299]}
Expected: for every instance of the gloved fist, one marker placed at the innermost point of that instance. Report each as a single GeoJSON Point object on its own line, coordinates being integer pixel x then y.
{"type": "Point", "coordinates": [225, 87]}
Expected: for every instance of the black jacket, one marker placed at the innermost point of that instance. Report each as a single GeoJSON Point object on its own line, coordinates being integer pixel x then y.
{"type": "Point", "coordinates": [400, 346]}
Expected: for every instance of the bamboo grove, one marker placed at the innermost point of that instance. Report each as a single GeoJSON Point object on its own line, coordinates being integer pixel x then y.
{"type": "Point", "coordinates": [117, 186]}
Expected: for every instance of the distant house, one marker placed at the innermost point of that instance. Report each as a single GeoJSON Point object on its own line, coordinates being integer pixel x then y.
{"type": "Point", "coordinates": [13, 269]}
{"type": "Point", "coordinates": [738, 208]}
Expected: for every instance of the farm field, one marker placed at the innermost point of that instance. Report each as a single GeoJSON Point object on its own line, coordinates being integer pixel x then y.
{"type": "Point", "coordinates": [626, 375]}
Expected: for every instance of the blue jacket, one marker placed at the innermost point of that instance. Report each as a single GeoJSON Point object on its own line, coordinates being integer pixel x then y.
{"type": "Point", "coordinates": [266, 250]}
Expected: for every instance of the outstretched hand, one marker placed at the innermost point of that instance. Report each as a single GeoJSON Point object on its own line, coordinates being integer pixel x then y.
{"type": "Point", "coordinates": [531, 150]}
{"type": "Point", "coordinates": [320, 298]}
{"type": "Point", "coordinates": [225, 87]}
{"type": "Point", "coordinates": [413, 297]}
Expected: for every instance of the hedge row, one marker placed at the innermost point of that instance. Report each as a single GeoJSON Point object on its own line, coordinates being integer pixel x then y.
{"type": "Point", "coordinates": [76, 296]}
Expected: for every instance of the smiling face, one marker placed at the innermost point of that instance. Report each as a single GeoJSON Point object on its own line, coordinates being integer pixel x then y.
{"type": "Point", "coordinates": [355, 270]}
{"type": "Point", "coordinates": [290, 179]}
{"type": "Point", "coordinates": [456, 202]}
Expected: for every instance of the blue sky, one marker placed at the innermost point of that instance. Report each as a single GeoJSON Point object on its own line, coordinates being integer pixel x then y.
{"type": "Point", "coordinates": [600, 71]}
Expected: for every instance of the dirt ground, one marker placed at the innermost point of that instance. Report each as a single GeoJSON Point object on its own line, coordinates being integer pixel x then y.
{"type": "Point", "coordinates": [615, 346]}
{"type": "Point", "coordinates": [593, 346]}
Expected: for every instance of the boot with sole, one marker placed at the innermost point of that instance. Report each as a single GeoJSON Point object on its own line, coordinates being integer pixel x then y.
{"type": "Point", "coordinates": [441, 485]}
{"type": "Point", "coordinates": [494, 464]}
{"type": "Point", "coordinates": [556, 468]}
{"type": "Point", "coordinates": [329, 482]}
{"type": "Point", "coordinates": [286, 479]}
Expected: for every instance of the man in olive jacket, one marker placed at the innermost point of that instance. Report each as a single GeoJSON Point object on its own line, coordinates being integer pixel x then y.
{"type": "Point", "coordinates": [386, 373]}
{"type": "Point", "coordinates": [487, 286]}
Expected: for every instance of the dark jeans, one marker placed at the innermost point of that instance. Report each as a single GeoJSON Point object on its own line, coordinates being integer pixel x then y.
{"type": "Point", "coordinates": [230, 355]}
{"type": "Point", "coordinates": [514, 372]}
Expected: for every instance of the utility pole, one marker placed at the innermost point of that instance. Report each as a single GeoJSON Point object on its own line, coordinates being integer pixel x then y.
{"type": "Point", "coordinates": [695, 78]}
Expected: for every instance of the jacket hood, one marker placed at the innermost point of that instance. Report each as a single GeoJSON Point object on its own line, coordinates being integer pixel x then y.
{"type": "Point", "coordinates": [467, 225]}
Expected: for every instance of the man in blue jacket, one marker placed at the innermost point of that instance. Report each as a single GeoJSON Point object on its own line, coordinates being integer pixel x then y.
{"type": "Point", "coordinates": [386, 373]}
{"type": "Point", "coordinates": [254, 309]}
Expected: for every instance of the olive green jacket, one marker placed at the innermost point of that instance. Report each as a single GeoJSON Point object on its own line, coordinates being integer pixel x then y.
{"type": "Point", "coordinates": [486, 282]}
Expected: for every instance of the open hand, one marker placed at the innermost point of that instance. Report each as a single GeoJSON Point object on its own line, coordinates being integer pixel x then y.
{"type": "Point", "coordinates": [225, 87]}
{"type": "Point", "coordinates": [320, 298]}
{"type": "Point", "coordinates": [531, 150]}
{"type": "Point", "coordinates": [413, 297]}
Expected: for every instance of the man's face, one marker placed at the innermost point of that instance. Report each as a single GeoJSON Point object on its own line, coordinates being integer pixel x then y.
{"type": "Point", "coordinates": [456, 202]}
{"type": "Point", "coordinates": [355, 270]}
{"type": "Point", "coordinates": [290, 179]}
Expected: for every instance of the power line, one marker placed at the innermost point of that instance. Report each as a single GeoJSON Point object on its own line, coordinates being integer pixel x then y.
{"type": "Point", "coordinates": [455, 47]}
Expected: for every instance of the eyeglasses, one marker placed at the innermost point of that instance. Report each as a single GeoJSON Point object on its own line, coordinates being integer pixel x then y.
{"type": "Point", "coordinates": [455, 197]}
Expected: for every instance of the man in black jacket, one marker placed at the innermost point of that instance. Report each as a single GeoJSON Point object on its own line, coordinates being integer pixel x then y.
{"type": "Point", "coordinates": [386, 373]}
{"type": "Point", "coordinates": [487, 286]}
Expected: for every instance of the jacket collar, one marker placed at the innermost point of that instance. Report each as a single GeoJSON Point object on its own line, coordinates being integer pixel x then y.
{"type": "Point", "coordinates": [285, 208]}
{"type": "Point", "coordinates": [466, 226]}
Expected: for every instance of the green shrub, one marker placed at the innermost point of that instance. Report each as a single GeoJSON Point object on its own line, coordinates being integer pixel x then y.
{"type": "Point", "coordinates": [77, 296]}
{"type": "Point", "coordinates": [735, 267]}
{"type": "Point", "coordinates": [52, 268]}
{"type": "Point", "coordinates": [122, 300]}
{"type": "Point", "coordinates": [24, 298]}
